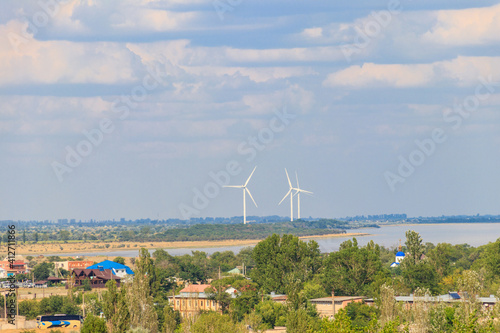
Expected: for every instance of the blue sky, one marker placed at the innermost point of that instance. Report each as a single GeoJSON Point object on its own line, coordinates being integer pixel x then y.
{"type": "Point", "coordinates": [117, 109]}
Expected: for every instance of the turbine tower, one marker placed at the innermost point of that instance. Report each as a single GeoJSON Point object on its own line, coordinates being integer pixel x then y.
{"type": "Point", "coordinates": [291, 188]}
{"type": "Point", "coordinates": [245, 189]}
{"type": "Point", "coordinates": [299, 190]}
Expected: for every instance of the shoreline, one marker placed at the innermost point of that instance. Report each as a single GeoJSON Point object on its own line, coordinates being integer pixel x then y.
{"type": "Point", "coordinates": [62, 248]}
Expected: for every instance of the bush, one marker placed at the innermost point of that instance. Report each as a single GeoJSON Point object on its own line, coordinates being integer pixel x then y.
{"type": "Point", "coordinates": [93, 324]}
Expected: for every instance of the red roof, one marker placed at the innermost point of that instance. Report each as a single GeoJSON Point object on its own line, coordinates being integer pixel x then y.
{"type": "Point", "coordinates": [195, 288]}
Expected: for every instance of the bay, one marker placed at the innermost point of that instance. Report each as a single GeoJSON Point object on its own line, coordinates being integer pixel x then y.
{"type": "Point", "coordinates": [474, 234]}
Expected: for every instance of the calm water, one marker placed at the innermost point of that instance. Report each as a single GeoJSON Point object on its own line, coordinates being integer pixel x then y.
{"type": "Point", "coordinates": [474, 234]}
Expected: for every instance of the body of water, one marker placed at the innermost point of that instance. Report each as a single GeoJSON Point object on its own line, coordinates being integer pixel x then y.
{"type": "Point", "coordinates": [474, 234]}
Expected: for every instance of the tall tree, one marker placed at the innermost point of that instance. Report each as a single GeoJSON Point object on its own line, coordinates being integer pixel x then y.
{"type": "Point", "coordinates": [414, 247]}
{"type": "Point", "coordinates": [352, 269]}
{"type": "Point", "coordinates": [276, 257]}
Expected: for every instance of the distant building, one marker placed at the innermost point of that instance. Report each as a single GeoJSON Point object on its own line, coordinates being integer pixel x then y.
{"type": "Point", "coordinates": [97, 277]}
{"type": "Point", "coordinates": [400, 255]}
{"type": "Point", "coordinates": [15, 267]}
{"type": "Point", "coordinates": [329, 306]}
{"type": "Point", "coordinates": [117, 269]}
{"type": "Point", "coordinates": [192, 300]}
{"type": "Point", "coordinates": [70, 265]}
{"type": "Point", "coordinates": [3, 273]}
{"type": "Point", "coordinates": [451, 297]}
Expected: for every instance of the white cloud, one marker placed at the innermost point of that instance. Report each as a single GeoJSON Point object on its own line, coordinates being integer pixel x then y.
{"type": "Point", "coordinates": [27, 60]}
{"type": "Point", "coordinates": [461, 71]}
{"type": "Point", "coordinates": [471, 26]}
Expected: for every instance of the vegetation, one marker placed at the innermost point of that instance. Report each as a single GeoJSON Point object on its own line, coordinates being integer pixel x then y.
{"type": "Point", "coordinates": [285, 264]}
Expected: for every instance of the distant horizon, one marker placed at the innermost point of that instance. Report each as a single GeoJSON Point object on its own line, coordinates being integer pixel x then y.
{"type": "Point", "coordinates": [284, 218]}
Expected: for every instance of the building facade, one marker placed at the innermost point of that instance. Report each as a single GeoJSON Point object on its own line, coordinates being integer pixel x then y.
{"type": "Point", "coordinates": [192, 300]}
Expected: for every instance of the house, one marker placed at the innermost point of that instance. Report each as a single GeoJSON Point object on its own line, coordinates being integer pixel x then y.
{"type": "Point", "coordinates": [329, 306]}
{"type": "Point", "coordinates": [97, 277]}
{"type": "Point", "coordinates": [70, 265]}
{"type": "Point", "coordinates": [14, 267]}
{"type": "Point", "coordinates": [233, 292]}
{"type": "Point", "coordinates": [451, 297]}
{"type": "Point", "coordinates": [41, 284]}
{"type": "Point", "coordinates": [117, 269]}
{"type": "Point", "coordinates": [193, 299]}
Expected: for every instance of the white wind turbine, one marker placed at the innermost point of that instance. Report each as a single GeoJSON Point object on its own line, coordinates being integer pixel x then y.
{"type": "Point", "coordinates": [291, 188]}
{"type": "Point", "coordinates": [245, 189]}
{"type": "Point", "coordinates": [299, 190]}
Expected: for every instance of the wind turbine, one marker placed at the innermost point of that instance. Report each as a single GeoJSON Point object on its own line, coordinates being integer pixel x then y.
{"type": "Point", "coordinates": [245, 189]}
{"type": "Point", "coordinates": [291, 188]}
{"type": "Point", "coordinates": [299, 190]}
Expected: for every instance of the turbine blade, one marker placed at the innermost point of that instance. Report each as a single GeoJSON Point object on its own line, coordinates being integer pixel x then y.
{"type": "Point", "coordinates": [250, 194]}
{"type": "Point", "coordinates": [250, 176]}
{"type": "Point", "coordinates": [287, 193]}
{"type": "Point", "coordinates": [306, 191]}
{"type": "Point", "coordinates": [289, 182]}
{"type": "Point", "coordinates": [297, 177]}
{"type": "Point", "coordinates": [234, 186]}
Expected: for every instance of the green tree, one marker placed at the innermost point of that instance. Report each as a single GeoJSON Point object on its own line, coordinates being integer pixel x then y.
{"type": "Point", "coordinates": [276, 257]}
{"type": "Point", "coordinates": [171, 319]}
{"type": "Point", "coordinates": [352, 269]}
{"type": "Point", "coordinates": [120, 260]}
{"type": "Point", "coordinates": [414, 247]}
{"type": "Point", "coordinates": [340, 324]}
{"type": "Point", "coordinates": [214, 322]}
{"type": "Point", "coordinates": [42, 271]}
{"type": "Point", "coordinates": [115, 308]}
{"type": "Point", "coordinates": [64, 235]}
{"type": "Point", "coordinates": [28, 308]}
{"type": "Point", "coordinates": [93, 324]}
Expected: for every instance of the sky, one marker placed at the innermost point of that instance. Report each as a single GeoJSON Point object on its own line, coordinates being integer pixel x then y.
{"type": "Point", "coordinates": [146, 109]}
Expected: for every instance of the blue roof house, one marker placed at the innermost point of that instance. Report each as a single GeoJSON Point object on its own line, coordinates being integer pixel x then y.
{"type": "Point", "coordinates": [117, 269]}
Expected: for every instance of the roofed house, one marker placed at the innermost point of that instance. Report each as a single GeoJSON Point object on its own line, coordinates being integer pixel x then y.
{"type": "Point", "coordinates": [329, 306]}
{"type": "Point", "coordinates": [193, 299]}
{"type": "Point", "coordinates": [97, 277]}
{"type": "Point", "coordinates": [14, 267]}
{"type": "Point", "coordinates": [117, 269]}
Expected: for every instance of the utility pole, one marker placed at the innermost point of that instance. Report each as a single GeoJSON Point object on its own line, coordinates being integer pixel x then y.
{"type": "Point", "coordinates": [333, 302]}
{"type": "Point", "coordinates": [17, 306]}
{"type": "Point", "coordinates": [83, 301]}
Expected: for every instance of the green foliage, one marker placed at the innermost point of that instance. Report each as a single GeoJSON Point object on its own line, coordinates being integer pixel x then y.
{"type": "Point", "coordinates": [272, 313]}
{"type": "Point", "coordinates": [42, 271]}
{"type": "Point", "coordinates": [120, 260]}
{"type": "Point", "coordinates": [93, 324]}
{"type": "Point", "coordinates": [276, 257]}
{"type": "Point", "coordinates": [213, 322]}
{"type": "Point", "coordinates": [352, 269]}
{"type": "Point", "coordinates": [361, 314]}
{"type": "Point", "coordinates": [340, 324]}
{"type": "Point", "coordinates": [86, 285]}
{"type": "Point", "coordinates": [414, 247]}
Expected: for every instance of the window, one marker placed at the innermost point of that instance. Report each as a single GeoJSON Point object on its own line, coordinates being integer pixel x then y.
{"type": "Point", "coordinates": [177, 303]}
{"type": "Point", "coordinates": [201, 303]}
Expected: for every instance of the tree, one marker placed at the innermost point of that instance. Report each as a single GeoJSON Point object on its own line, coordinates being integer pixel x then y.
{"type": "Point", "coordinates": [171, 319]}
{"type": "Point", "coordinates": [93, 324]}
{"type": "Point", "coordinates": [120, 260]}
{"type": "Point", "coordinates": [140, 304]}
{"type": "Point", "coordinates": [86, 285]}
{"type": "Point", "coordinates": [64, 235]}
{"type": "Point", "coordinates": [414, 247]}
{"type": "Point", "coordinates": [115, 308]}
{"type": "Point", "coordinates": [42, 271]}
{"type": "Point", "coordinates": [352, 269]}
{"type": "Point", "coordinates": [214, 322]}
{"type": "Point", "coordinates": [340, 324]}
{"type": "Point", "coordinates": [276, 256]}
